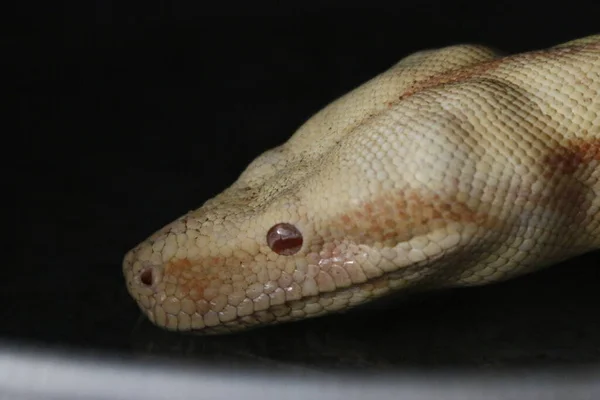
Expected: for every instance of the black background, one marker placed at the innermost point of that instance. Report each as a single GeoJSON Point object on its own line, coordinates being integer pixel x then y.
{"type": "Point", "coordinates": [119, 118]}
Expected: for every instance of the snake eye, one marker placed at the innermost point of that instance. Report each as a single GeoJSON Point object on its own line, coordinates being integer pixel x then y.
{"type": "Point", "coordinates": [284, 239]}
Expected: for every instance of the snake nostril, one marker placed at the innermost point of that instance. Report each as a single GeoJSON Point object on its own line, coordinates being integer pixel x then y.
{"type": "Point", "coordinates": [146, 277]}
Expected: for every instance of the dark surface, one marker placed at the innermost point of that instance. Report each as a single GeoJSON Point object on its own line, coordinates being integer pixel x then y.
{"type": "Point", "coordinates": [128, 118]}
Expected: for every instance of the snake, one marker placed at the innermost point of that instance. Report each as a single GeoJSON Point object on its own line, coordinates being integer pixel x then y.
{"type": "Point", "coordinates": [458, 166]}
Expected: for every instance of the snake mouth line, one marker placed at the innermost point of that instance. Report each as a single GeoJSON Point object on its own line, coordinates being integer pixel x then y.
{"type": "Point", "coordinates": [353, 296]}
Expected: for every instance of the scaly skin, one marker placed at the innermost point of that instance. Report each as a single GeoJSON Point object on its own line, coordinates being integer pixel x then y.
{"type": "Point", "coordinates": [455, 167]}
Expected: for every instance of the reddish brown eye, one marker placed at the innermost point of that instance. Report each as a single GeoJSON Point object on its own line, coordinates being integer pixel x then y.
{"type": "Point", "coordinates": [284, 239]}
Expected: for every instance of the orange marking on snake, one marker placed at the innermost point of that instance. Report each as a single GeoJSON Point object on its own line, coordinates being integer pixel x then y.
{"type": "Point", "coordinates": [463, 74]}
{"type": "Point", "coordinates": [452, 76]}
{"type": "Point", "coordinates": [177, 266]}
{"type": "Point", "coordinates": [569, 158]}
{"type": "Point", "coordinates": [399, 216]}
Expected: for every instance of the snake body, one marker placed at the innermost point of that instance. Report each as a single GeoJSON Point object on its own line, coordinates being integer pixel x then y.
{"type": "Point", "coordinates": [456, 167]}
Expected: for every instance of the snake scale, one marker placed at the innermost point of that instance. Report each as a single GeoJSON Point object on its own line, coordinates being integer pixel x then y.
{"type": "Point", "coordinates": [457, 166]}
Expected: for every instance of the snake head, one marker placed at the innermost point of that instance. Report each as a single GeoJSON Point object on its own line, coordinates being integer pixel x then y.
{"type": "Point", "coordinates": [448, 169]}
{"type": "Point", "coordinates": [350, 208]}
{"type": "Point", "coordinates": [361, 201]}
{"type": "Point", "coordinates": [287, 241]}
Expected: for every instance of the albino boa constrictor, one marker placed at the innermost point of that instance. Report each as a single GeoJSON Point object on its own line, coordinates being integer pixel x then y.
{"type": "Point", "coordinates": [455, 167]}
